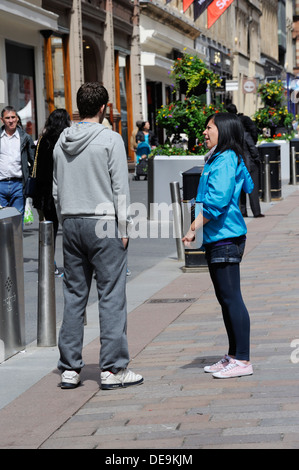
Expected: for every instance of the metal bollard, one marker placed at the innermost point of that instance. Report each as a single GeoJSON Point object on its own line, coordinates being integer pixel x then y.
{"type": "Point", "coordinates": [12, 301]}
{"type": "Point", "coordinates": [46, 321]}
{"type": "Point", "coordinates": [293, 163]}
{"type": "Point", "coordinates": [267, 180]}
{"type": "Point", "coordinates": [177, 218]}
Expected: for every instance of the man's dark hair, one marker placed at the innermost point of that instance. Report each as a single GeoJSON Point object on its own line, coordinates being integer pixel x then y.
{"type": "Point", "coordinates": [9, 109]}
{"type": "Point", "coordinates": [91, 96]}
{"type": "Point", "coordinates": [231, 108]}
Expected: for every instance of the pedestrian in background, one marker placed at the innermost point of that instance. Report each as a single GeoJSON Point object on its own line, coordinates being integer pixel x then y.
{"type": "Point", "coordinates": [133, 142]}
{"type": "Point", "coordinates": [250, 125]}
{"type": "Point", "coordinates": [224, 235]}
{"type": "Point", "coordinates": [16, 160]}
{"type": "Point", "coordinates": [43, 199]}
{"type": "Point", "coordinates": [91, 192]}
{"type": "Point", "coordinates": [252, 161]}
{"type": "Point", "coordinates": [145, 134]}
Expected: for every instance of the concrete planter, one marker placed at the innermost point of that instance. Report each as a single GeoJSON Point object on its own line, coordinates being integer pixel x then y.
{"type": "Point", "coordinates": [284, 157]}
{"type": "Point", "coordinates": [163, 170]}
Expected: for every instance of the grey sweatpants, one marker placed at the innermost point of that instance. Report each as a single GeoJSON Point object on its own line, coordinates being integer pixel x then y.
{"type": "Point", "coordinates": [85, 254]}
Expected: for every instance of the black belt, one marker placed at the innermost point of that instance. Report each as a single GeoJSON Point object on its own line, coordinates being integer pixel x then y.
{"type": "Point", "coordinates": [11, 179]}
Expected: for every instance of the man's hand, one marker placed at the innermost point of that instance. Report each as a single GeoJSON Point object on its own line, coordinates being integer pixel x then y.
{"type": "Point", "coordinates": [125, 242]}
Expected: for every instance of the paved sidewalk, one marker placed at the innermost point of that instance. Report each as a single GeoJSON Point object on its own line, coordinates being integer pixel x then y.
{"type": "Point", "coordinates": [173, 334]}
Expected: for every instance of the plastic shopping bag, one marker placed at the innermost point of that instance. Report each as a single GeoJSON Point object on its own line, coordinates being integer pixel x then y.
{"type": "Point", "coordinates": [28, 214]}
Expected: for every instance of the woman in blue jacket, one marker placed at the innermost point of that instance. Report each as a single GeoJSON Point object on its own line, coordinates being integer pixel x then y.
{"type": "Point", "coordinates": [224, 234]}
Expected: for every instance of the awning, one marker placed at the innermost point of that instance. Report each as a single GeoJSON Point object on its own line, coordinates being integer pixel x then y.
{"type": "Point", "coordinates": [31, 16]}
{"type": "Point", "coordinates": [150, 59]}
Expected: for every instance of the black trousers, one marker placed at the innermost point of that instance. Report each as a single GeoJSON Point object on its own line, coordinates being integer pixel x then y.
{"type": "Point", "coordinates": [226, 281]}
{"type": "Point", "coordinates": [254, 200]}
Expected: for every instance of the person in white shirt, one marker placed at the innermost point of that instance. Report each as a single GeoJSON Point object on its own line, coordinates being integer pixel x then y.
{"type": "Point", "coordinates": [16, 157]}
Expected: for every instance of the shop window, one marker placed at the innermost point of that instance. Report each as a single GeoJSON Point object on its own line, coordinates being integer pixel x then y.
{"type": "Point", "coordinates": [57, 72]}
{"type": "Point", "coordinates": [21, 85]}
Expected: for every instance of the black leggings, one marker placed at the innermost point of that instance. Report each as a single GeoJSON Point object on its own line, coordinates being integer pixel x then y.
{"type": "Point", "coordinates": [226, 281]}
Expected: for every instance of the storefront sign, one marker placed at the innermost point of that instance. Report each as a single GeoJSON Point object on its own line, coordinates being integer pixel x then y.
{"type": "Point", "coordinates": [232, 85]}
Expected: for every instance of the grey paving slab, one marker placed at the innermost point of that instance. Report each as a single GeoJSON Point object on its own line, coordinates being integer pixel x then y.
{"type": "Point", "coordinates": [179, 407]}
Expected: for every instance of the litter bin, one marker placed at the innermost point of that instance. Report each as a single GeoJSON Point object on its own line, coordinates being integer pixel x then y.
{"type": "Point", "coordinates": [273, 150]}
{"type": "Point", "coordinates": [194, 258]}
{"type": "Point", "coordinates": [294, 143]}
{"type": "Point", "coordinates": [12, 302]}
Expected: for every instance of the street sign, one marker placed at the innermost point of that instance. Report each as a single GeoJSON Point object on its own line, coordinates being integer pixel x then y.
{"type": "Point", "coordinates": [249, 85]}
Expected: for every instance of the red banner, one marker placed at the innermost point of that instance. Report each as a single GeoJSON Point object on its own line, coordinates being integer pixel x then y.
{"type": "Point", "coordinates": [187, 4]}
{"type": "Point", "coordinates": [216, 9]}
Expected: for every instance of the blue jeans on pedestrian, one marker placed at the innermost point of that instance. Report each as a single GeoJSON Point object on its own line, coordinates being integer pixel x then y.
{"type": "Point", "coordinates": [224, 266]}
{"type": "Point", "coordinates": [11, 194]}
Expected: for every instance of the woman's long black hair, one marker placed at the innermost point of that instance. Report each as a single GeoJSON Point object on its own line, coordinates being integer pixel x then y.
{"type": "Point", "coordinates": [58, 120]}
{"type": "Point", "coordinates": [230, 133]}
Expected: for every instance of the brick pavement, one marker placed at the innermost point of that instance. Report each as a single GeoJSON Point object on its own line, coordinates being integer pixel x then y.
{"type": "Point", "coordinates": [179, 407]}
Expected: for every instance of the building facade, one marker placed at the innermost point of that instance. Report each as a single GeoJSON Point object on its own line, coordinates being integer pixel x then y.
{"type": "Point", "coordinates": [48, 48]}
{"type": "Point", "coordinates": [21, 59]}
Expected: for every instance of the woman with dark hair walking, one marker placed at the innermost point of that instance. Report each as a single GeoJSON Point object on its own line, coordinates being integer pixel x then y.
{"type": "Point", "coordinates": [224, 235]}
{"type": "Point", "coordinates": [43, 200]}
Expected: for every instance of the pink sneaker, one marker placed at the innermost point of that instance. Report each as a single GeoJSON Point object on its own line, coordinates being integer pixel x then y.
{"type": "Point", "coordinates": [234, 369]}
{"type": "Point", "coordinates": [218, 366]}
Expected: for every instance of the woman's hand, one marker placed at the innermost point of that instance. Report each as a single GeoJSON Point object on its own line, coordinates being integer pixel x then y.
{"type": "Point", "coordinates": [190, 236]}
{"type": "Point", "coordinates": [196, 224]}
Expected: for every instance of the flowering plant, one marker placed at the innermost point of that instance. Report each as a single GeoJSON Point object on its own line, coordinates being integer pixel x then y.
{"type": "Point", "coordinates": [194, 71]}
{"type": "Point", "coordinates": [272, 93]}
{"type": "Point", "coordinates": [187, 117]}
{"type": "Point", "coordinates": [169, 150]}
{"type": "Point", "coordinates": [172, 117]}
{"type": "Point", "coordinates": [269, 117]}
{"type": "Point", "coordinates": [274, 114]}
{"type": "Point", "coordinates": [277, 136]}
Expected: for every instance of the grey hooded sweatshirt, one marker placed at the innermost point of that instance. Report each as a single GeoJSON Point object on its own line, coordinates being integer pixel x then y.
{"type": "Point", "coordinates": [90, 176]}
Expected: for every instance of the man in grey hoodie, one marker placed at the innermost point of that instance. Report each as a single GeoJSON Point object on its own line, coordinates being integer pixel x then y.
{"type": "Point", "coordinates": [91, 193]}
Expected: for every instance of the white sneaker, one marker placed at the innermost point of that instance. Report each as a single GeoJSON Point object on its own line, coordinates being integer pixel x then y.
{"type": "Point", "coordinates": [218, 366]}
{"type": "Point", "coordinates": [233, 369]}
{"type": "Point", "coordinates": [70, 379]}
{"type": "Point", "coordinates": [123, 378]}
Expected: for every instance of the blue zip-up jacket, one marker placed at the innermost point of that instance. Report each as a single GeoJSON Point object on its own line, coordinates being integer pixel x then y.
{"type": "Point", "coordinates": [219, 190]}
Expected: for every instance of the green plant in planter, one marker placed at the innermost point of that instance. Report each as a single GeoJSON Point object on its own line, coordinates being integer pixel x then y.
{"type": "Point", "coordinates": [272, 93]}
{"type": "Point", "coordinates": [172, 117]}
{"type": "Point", "coordinates": [274, 114]}
{"type": "Point", "coordinates": [194, 72]}
{"type": "Point", "coordinates": [168, 150]}
{"type": "Point", "coordinates": [187, 117]}
{"type": "Point", "coordinates": [272, 117]}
